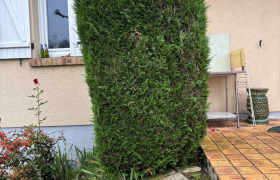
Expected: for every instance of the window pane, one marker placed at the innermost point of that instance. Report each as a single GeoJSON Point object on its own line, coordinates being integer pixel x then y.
{"type": "Point", "coordinates": [58, 28]}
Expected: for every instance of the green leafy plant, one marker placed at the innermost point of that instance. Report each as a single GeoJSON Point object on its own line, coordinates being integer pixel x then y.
{"type": "Point", "coordinates": [133, 176]}
{"type": "Point", "coordinates": [90, 165]}
{"type": "Point", "coordinates": [146, 65]}
{"type": "Point", "coordinates": [196, 176]}
{"type": "Point", "coordinates": [64, 168]}
{"type": "Point", "coordinates": [92, 168]}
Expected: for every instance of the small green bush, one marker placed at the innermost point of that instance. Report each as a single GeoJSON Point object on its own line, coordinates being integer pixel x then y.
{"type": "Point", "coordinates": [146, 65]}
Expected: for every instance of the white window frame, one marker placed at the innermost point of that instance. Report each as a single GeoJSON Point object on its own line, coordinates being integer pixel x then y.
{"type": "Point", "coordinates": [74, 49]}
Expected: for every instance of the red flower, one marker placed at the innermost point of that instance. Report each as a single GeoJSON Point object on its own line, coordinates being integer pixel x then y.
{"type": "Point", "coordinates": [213, 130]}
{"type": "Point", "coordinates": [36, 81]}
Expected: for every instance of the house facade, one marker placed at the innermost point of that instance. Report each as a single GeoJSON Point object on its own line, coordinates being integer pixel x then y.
{"type": "Point", "coordinates": [248, 22]}
{"type": "Point", "coordinates": [26, 24]}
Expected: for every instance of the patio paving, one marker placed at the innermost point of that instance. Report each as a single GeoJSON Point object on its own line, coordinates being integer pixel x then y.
{"type": "Point", "coordinates": [242, 153]}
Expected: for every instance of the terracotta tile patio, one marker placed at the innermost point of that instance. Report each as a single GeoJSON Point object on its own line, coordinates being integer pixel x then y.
{"type": "Point", "coordinates": [242, 153]}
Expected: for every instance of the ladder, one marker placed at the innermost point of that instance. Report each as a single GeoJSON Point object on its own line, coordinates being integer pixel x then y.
{"type": "Point", "coordinates": [241, 83]}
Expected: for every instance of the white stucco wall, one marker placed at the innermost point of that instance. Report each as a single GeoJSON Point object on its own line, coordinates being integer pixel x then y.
{"type": "Point", "coordinates": [64, 87]}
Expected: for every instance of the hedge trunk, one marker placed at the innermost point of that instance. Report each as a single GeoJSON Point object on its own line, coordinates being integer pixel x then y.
{"type": "Point", "coordinates": [146, 64]}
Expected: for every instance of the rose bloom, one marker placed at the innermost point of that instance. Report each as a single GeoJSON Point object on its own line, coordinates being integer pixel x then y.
{"type": "Point", "coordinates": [36, 81]}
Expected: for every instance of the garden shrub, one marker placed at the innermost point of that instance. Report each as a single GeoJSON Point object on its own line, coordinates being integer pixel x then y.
{"type": "Point", "coordinates": [28, 153]}
{"type": "Point", "coordinates": [146, 65]}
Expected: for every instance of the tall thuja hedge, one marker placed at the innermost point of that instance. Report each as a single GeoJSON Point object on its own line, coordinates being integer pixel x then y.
{"type": "Point", "coordinates": [146, 63]}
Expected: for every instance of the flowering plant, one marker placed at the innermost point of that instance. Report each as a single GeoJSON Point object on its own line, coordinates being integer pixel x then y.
{"type": "Point", "coordinates": [39, 101]}
{"type": "Point", "coordinates": [29, 153]}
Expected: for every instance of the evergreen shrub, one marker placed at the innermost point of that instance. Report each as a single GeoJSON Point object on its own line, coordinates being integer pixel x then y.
{"type": "Point", "coordinates": [146, 64]}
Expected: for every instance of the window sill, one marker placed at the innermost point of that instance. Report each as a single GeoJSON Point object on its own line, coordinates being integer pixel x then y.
{"type": "Point", "coordinates": [58, 61]}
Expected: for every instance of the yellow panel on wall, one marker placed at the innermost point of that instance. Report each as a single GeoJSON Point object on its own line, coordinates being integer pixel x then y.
{"type": "Point", "coordinates": [237, 58]}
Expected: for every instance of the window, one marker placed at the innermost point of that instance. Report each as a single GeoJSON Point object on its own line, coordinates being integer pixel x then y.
{"type": "Point", "coordinates": [58, 27]}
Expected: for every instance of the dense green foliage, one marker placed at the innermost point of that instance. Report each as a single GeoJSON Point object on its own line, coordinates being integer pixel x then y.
{"type": "Point", "coordinates": [28, 153]}
{"type": "Point", "coordinates": [146, 65]}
